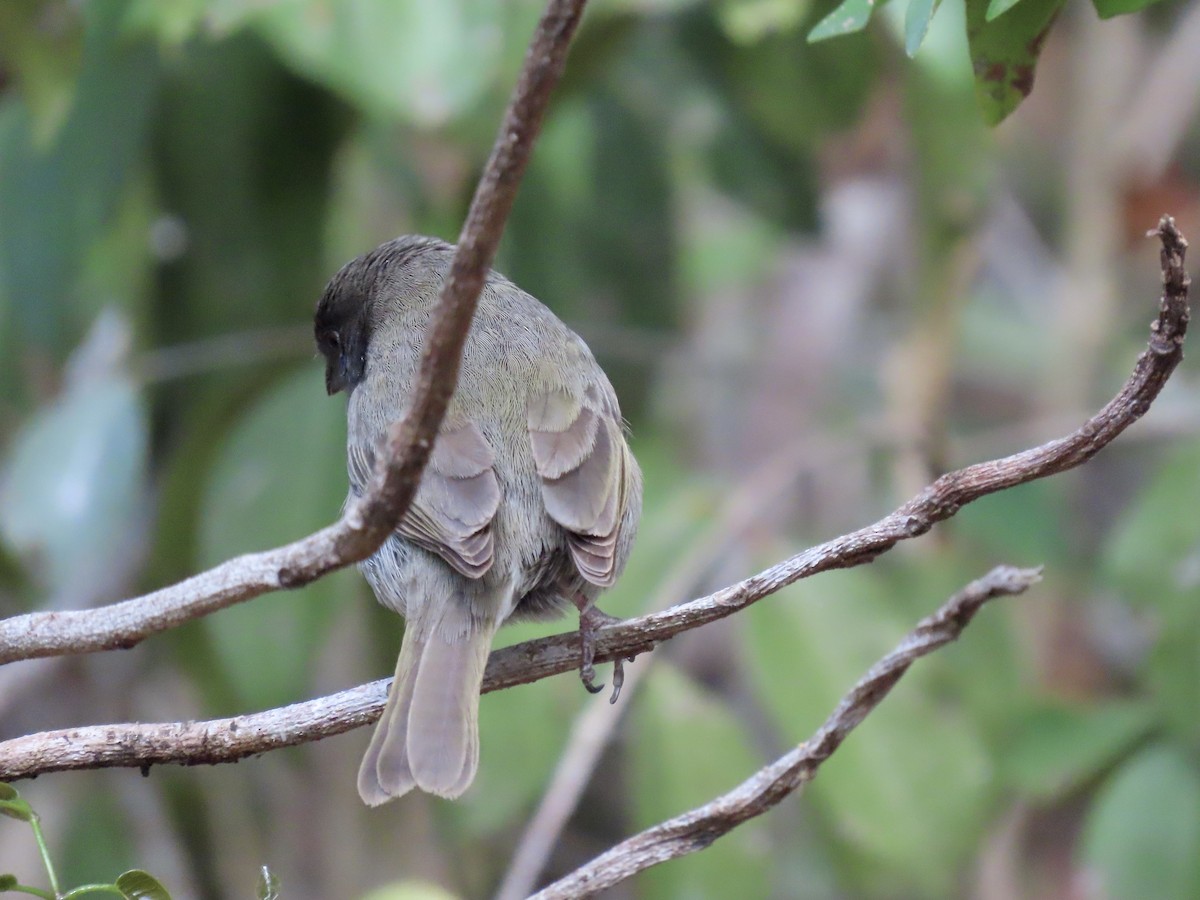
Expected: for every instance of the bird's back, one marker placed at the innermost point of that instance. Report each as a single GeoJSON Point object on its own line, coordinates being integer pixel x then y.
{"type": "Point", "coordinates": [516, 351]}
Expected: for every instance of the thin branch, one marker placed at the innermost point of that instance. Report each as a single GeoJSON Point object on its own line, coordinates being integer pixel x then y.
{"type": "Point", "coordinates": [367, 521]}
{"type": "Point", "coordinates": [696, 829]}
{"type": "Point", "coordinates": [227, 740]}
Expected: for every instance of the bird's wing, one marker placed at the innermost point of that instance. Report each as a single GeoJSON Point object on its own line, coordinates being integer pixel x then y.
{"type": "Point", "coordinates": [583, 461]}
{"type": "Point", "coordinates": [452, 512]}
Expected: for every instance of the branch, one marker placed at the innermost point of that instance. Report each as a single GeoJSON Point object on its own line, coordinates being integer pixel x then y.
{"type": "Point", "coordinates": [227, 740]}
{"type": "Point", "coordinates": [368, 521]}
{"type": "Point", "coordinates": [698, 828]}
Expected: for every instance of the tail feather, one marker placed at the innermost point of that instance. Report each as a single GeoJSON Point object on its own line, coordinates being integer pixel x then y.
{"type": "Point", "coordinates": [378, 768]}
{"type": "Point", "coordinates": [443, 721]}
{"type": "Point", "coordinates": [428, 736]}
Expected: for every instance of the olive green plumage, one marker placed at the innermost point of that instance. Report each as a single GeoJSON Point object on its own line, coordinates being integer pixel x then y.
{"type": "Point", "coordinates": [531, 496]}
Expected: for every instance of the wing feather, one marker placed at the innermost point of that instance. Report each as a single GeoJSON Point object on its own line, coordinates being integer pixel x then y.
{"type": "Point", "coordinates": [581, 457]}
{"type": "Point", "coordinates": [452, 512]}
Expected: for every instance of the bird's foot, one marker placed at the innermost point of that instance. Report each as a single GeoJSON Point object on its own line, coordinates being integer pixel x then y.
{"type": "Point", "coordinates": [591, 620]}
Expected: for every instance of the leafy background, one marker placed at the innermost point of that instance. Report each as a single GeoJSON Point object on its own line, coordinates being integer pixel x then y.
{"type": "Point", "coordinates": [806, 262]}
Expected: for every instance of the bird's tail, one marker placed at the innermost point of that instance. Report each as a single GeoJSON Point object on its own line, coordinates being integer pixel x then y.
{"type": "Point", "coordinates": [428, 736]}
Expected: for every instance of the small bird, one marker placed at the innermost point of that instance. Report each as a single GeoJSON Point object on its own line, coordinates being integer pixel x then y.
{"type": "Point", "coordinates": [530, 500]}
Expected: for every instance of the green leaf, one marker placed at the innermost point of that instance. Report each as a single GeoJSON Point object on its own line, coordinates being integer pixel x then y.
{"type": "Point", "coordinates": [999, 8]}
{"type": "Point", "coordinates": [1155, 547]}
{"type": "Point", "coordinates": [687, 748]}
{"type": "Point", "coordinates": [1054, 749]}
{"type": "Point", "coordinates": [1141, 835]}
{"type": "Point", "coordinates": [1107, 9]}
{"type": "Point", "coordinates": [428, 62]}
{"type": "Point", "coordinates": [1154, 555]}
{"type": "Point", "coordinates": [908, 789]}
{"type": "Point", "coordinates": [268, 885]}
{"type": "Point", "coordinates": [280, 474]}
{"type": "Point", "coordinates": [851, 16]}
{"type": "Point", "coordinates": [916, 23]}
{"type": "Point", "coordinates": [13, 805]}
{"type": "Point", "coordinates": [138, 885]}
{"type": "Point", "coordinates": [1004, 53]}
{"type": "Point", "coordinates": [71, 487]}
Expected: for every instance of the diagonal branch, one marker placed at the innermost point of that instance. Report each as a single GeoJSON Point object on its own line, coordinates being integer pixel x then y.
{"type": "Point", "coordinates": [696, 829]}
{"type": "Point", "coordinates": [227, 740]}
{"type": "Point", "coordinates": [368, 521]}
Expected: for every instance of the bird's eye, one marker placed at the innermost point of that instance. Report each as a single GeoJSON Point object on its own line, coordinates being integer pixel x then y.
{"type": "Point", "coordinates": [334, 340]}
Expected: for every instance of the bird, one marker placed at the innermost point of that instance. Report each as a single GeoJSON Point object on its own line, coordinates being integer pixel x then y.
{"type": "Point", "coordinates": [529, 503]}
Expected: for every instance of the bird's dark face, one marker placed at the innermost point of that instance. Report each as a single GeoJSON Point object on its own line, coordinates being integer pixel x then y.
{"type": "Point", "coordinates": [342, 328]}
{"type": "Point", "coordinates": [346, 312]}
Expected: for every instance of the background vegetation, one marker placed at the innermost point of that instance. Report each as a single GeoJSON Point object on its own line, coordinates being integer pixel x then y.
{"type": "Point", "coordinates": [809, 266]}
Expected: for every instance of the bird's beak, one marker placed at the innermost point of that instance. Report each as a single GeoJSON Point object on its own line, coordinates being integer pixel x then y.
{"type": "Point", "coordinates": [335, 378]}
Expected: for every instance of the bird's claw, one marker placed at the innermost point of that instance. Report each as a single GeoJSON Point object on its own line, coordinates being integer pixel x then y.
{"type": "Point", "coordinates": [588, 677]}
{"type": "Point", "coordinates": [591, 620]}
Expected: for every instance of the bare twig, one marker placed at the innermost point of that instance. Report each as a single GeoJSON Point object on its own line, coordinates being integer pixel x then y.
{"type": "Point", "coordinates": [226, 740]}
{"type": "Point", "coordinates": [696, 829]}
{"type": "Point", "coordinates": [370, 519]}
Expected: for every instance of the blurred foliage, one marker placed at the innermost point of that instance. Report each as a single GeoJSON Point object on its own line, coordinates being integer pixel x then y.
{"type": "Point", "coordinates": [768, 238]}
{"type": "Point", "coordinates": [252, 498]}
{"type": "Point", "coordinates": [1005, 45]}
{"type": "Point", "coordinates": [825, 635]}
{"type": "Point", "coordinates": [70, 488]}
{"type": "Point", "coordinates": [133, 884]}
{"type": "Point", "coordinates": [667, 777]}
